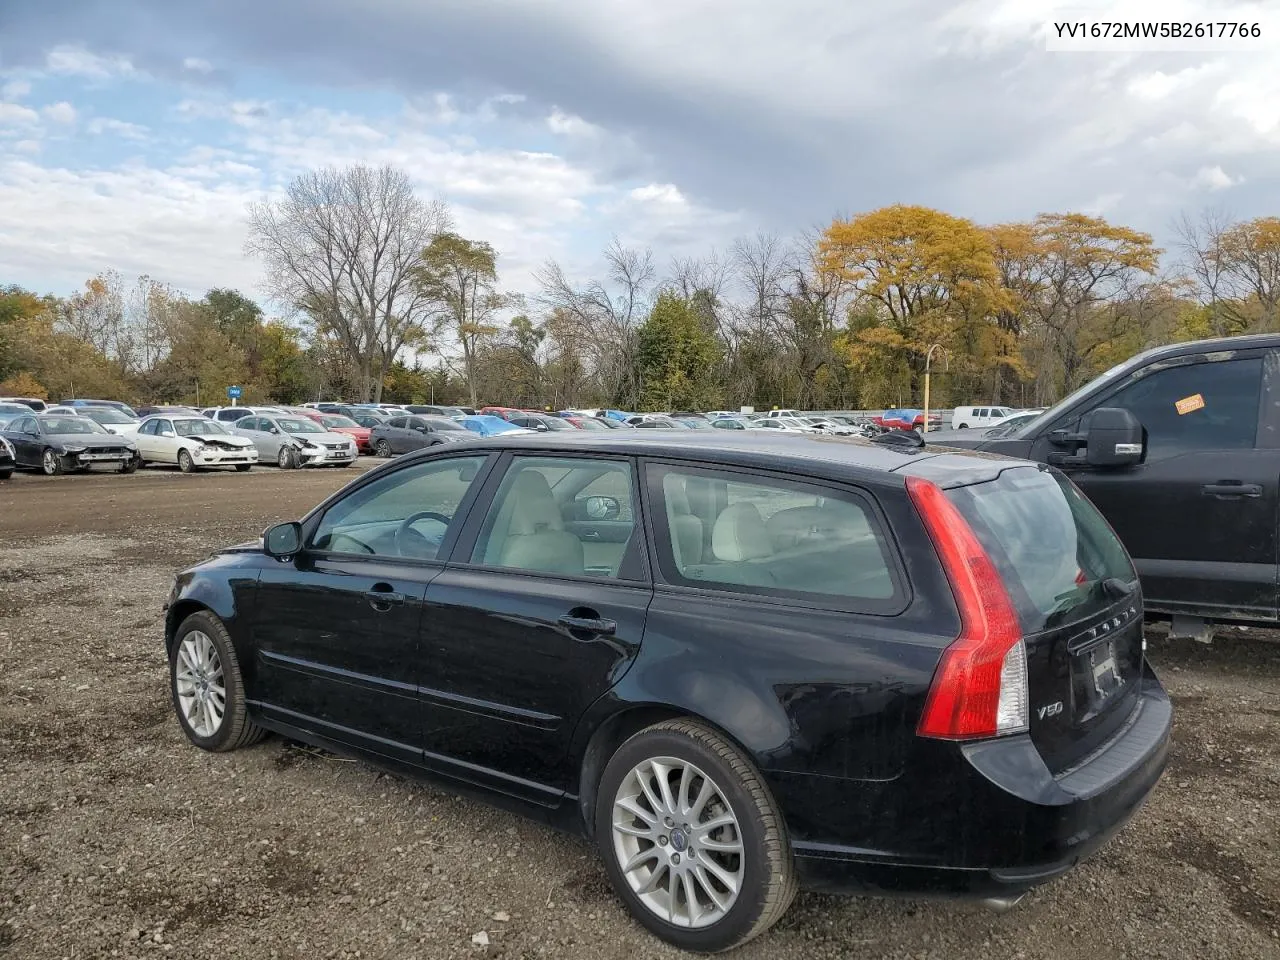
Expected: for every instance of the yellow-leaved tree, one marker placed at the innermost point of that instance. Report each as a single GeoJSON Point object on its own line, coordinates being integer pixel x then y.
{"type": "Point", "coordinates": [920, 277]}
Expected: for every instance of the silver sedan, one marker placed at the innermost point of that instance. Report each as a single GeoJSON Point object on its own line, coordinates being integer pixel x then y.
{"type": "Point", "coordinates": [296, 442]}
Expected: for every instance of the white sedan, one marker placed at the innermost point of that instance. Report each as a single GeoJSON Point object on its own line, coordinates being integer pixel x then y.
{"type": "Point", "coordinates": [192, 443]}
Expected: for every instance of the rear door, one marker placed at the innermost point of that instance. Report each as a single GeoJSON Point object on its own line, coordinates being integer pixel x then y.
{"type": "Point", "coordinates": [521, 634]}
{"type": "Point", "coordinates": [1199, 515]}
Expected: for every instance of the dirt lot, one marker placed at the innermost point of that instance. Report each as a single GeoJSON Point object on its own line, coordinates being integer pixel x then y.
{"type": "Point", "coordinates": [118, 839]}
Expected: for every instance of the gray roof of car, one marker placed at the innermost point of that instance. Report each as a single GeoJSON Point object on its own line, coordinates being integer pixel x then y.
{"type": "Point", "coordinates": [831, 457]}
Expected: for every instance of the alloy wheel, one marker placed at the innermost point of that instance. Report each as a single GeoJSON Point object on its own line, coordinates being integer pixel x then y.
{"type": "Point", "coordinates": [678, 842]}
{"type": "Point", "coordinates": [202, 695]}
{"type": "Point", "coordinates": [50, 463]}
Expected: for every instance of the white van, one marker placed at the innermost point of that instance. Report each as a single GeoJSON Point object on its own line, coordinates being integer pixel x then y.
{"type": "Point", "coordinates": [965, 417]}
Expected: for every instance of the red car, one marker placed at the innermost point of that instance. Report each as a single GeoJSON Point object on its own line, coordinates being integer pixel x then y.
{"type": "Point", "coordinates": [337, 423]}
{"type": "Point", "coordinates": [899, 419]}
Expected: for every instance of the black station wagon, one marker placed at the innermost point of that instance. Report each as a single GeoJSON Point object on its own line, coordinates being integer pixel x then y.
{"type": "Point", "coordinates": [742, 664]}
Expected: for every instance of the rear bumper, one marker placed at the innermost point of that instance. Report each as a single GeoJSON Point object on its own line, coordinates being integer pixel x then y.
{"type": "Point", "coordinates": [1019, 825]}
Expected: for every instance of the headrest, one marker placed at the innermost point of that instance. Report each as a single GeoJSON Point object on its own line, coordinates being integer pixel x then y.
{"type": "Point", "coordinates": [533, 508]}
{"type": "Point", "coordinates": [677, 496]}
{"type": "Point", "coordinates": [740, 534]}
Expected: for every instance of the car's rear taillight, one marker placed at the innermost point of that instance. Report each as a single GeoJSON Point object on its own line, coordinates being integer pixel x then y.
{"type": "Point", "coordinates": [980, 686]}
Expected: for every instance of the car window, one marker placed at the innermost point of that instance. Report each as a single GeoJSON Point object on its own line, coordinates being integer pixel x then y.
{"type": "Point", "coordinates": [539, 521]}
{"type": "Point", "coordinates": [397, 422]}
{"type": "Point", "coordinates": [163, 425]}
{"type": "Point", "coordinates": [1195, 406]}
{"type": "Point", "coordinates": [191, 427]}
{"type": "Point", "coordinates": [770, 537]}
{"type": "Point", "coordinates": [406, 513]}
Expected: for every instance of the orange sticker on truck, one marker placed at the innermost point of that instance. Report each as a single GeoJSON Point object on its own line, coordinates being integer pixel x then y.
{"type": "Point", "coordinates": [1190, 404]}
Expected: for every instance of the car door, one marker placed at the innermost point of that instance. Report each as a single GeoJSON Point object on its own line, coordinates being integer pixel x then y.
{"type": "Point", "coordinates": [1199, 514]}
{"type": "Point", "coordinates": [520, 635]}
{"type": "Point", "coordinates": [165, 442]}
{"type": "Point", "coordinates": [335, 631]}
{"type": "Point", "coordinates": [144, 439]}
{"type": "Point", "coordinates": [24, 433]}
{"type": "Point", "coordinates": [417, 434]}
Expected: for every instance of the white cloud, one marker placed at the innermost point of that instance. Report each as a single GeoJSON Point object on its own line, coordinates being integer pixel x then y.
{"type": "Point", "coordinates": [571, 125]}
{"type": "Point", "coordinates": [197, 65]}
{"type": "Point", "coordinates": [60, 112]}
{"type": "Point", "coordinates": [13, 114]}
{"type": "Point", "coordinates": [77, 61]}
{"type": "Point", "coordinates": [27, 146]}
{"type": "Point", "coordinates": [185, 221]}
{"type": "Point", "coordinates": [120, 128]}
{"type": "Point", "coordinates": [1214, 178]}
{"type": "Point", "coordinates": [15, 90]}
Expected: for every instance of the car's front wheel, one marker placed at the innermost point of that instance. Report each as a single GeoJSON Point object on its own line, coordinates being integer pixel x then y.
{"type": "Point", "coordinates": [383, 448]}
{"type": "Point", "coordinates": [185, 463]}
{"type": "Point", "coordinates": [208, 688]}
{"type": "Point", "coordinates": [131, 466]}
{"type": "Point", "coordinates": [243, 467]}
{"type": "Point", "coordinates": [692, 838]}
{"type": "Point", "coordinates": [51, 464]}
{"type": "Point", "coordinates": [286, 459]}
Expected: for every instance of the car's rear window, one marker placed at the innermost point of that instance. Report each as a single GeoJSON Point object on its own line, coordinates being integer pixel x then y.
{"type": "Point", "coordinates": [1051, 545]}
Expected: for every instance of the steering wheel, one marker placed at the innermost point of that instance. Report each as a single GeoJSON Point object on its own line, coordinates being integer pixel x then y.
{"type": "Point", "coordinates": [424, 547]}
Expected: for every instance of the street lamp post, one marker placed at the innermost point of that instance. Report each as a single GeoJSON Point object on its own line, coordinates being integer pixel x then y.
{"type": "Point", "coordinates": [928, 361]}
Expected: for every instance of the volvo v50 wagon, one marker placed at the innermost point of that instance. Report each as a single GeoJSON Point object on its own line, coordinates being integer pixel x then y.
{"type": "Point", "coordinates": [742, 665]}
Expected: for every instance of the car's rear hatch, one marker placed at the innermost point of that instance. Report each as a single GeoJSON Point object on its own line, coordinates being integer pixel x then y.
{"type": "Point", "coordinates": [1077, 598]}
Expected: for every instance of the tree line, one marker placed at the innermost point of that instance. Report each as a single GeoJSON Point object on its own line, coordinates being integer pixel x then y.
{"type": "Point", "coordinates": [381, 299]}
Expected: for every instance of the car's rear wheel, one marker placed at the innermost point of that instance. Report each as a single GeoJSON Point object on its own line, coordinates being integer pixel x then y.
{"type": "Point", "coordinates": [383, 448]}
{"type": "Point", "coordinates": [51, 464]}
{"type": "Point", "coordinates": [692, 839]}
{"type": "Point", "coordinates": [185, 463]}
{"type": "Point", "coordinates": [208, 688]}
{"type": "Point", "coordinates": [286, 459]}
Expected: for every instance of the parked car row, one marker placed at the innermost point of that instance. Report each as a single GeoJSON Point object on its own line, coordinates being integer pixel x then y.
{"type": "Point", "coordinates": [332, 433]}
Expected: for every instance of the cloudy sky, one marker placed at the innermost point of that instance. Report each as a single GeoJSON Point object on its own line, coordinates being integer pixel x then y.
{"type": "Point", "coordinates": [133, 133]}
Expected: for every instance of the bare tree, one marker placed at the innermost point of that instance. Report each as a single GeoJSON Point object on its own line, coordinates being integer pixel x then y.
{"type": "Point", "coordinates": [343, 247]}
{"type": "Point", "coordinates": [1203, 247]}
{"type": "Point", "coordinates": [604, 314]}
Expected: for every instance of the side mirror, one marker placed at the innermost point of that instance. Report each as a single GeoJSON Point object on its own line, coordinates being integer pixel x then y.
{"type": "Point", "coordinates": [273, 430]}
{"type": "Point", "coordinates": [601, 508]}
{"type": "Point", "coordinates": [283, 540]}
{"type": "Point", "coordinates": [1113, 438]}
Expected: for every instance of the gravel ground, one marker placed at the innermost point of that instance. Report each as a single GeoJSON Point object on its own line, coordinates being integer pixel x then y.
{"type": "Point", "coordinates": [118, 839]}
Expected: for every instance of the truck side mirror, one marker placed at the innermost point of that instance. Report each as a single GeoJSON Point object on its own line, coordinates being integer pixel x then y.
{"type": "Point", "coordinates": [1113, 438]}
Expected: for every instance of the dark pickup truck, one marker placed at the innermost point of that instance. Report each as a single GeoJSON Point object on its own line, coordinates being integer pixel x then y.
{"type": "Point", "coordinates": [1179, 447]}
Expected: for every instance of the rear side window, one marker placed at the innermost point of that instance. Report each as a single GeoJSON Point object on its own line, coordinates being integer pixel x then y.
{"type": "Point", "coordinates": [1051, 545]}
{"type": "Point", "coordinates": [771, 537]}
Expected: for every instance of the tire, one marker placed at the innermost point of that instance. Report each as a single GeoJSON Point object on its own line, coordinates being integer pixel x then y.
{"type": "Point", "coordinates": [185, 463]}
{"type": "Point", "coordinates": [6, 474]}
{"type": "Point", "coordinates": [51, 464]}
{"type": "Point", "coordinates": [963, 426]}
{"type": "Point", "coordinates": [243, 467]}
{"type": "Point", "coordinates": [763, 867]}
{"type": "Point", "coordinates": [131, 466]}
{"type": "Point", "coordinates": [198, 633]}
{"type": "Point", "coordinates": [286, 459]}
{"type": "Point", "coordinates": [383, 449]}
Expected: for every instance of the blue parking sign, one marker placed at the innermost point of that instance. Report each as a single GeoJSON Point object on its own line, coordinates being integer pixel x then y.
{"type": "Point", "coordinates": [233, 393]}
